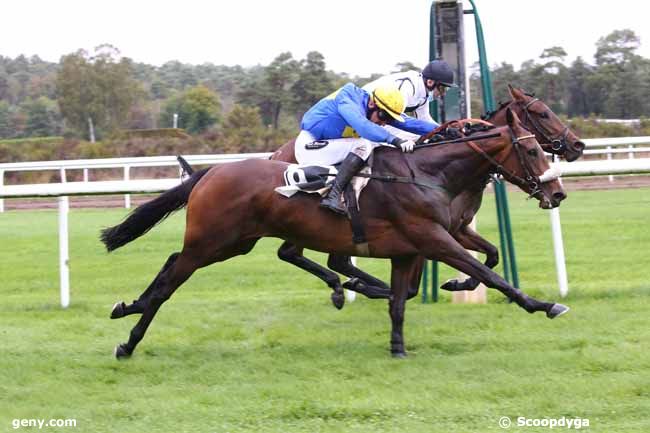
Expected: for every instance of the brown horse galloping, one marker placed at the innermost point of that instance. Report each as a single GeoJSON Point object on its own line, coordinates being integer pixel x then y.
{"type": "Point", "coordinates": [551, 133]}
{"type": "Point", "coordinates": [230, 207]}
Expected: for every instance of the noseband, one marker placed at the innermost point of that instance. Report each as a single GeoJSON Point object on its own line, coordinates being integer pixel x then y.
{"type": "Point", "coordinates": [559, 143]}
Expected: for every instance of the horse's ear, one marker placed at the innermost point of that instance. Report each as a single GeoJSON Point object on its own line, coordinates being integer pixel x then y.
{"type": "Point", "coordinates": [515, 93]}
{"type": "Point", "coordinates": [510, 116]}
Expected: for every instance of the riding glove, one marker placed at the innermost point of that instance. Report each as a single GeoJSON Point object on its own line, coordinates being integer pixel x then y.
{"type": "Point", "coordinates": [405, 145]}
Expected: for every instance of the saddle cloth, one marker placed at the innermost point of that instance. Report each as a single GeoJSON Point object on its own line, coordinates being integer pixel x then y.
{"type": "Point", "coordinates": [316, 179]}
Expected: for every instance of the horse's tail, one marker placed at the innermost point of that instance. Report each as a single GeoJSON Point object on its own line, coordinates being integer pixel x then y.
{"type": "Point", "coordinates": [146, 216]}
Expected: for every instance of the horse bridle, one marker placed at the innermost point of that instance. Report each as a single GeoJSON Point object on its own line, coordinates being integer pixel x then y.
{"type": "Point", "coordinates": [559, 143]}
{"type": "Point", "coordinates": [530, 180]}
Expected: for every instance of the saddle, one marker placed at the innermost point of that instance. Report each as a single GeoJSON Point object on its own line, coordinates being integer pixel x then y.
{"type": "Point", "coordinates": [314, 179]}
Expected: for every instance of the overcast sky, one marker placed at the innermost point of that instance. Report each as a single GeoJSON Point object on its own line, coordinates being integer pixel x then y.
{"type": "Point", "coordinates": [355, 36]}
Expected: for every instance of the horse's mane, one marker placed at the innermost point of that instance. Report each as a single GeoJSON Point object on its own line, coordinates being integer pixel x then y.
{"type": "Point", "coordinates": [488, 115]}
{"type": "Point", "coordinates": [454, 129]}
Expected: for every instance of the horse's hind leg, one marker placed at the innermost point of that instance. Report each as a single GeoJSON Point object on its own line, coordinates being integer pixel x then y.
{"type": "Point", "coordinates": [163, 286]}
{"type": "Point", "coordinates": [120, 309]}
{"type": "Point", "coordinates": [293, 254]}
{"type": "Point", "coordinates": [169, 279]}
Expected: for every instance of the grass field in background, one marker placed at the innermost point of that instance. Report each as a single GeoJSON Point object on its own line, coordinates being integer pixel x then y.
{"type": "Point", "coordinates": [254, 344]}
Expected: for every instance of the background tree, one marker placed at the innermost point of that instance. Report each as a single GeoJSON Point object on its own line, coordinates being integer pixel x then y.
{"type": "Point", "coordinates": [313, 83]}
{"type": "Point", "coordinates": [617, 48]}
{"type": "Point", "coordinates": [99, 87]}
{"type": "Point", "coordinates": [554, 76]}
{"type": "Point", "coordinates": [5, 120]}
{"type": "Point", "coordinates": [405, 66]}
{"type": "Point", "coordinates": [279, 76]}
{"type": "Point", "coordinates": [243, 130]}
{"type": "Point", "coordinates": [502, 75]}
{"type": "Point", "coordinates": [42, 117]}
{"type": "Point", "coordinates": [198, 109]}
{"type": "Point", "coordinates": [577, 99]}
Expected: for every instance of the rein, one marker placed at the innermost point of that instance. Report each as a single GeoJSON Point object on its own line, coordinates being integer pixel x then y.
{"type": "Point", "coordinates": [459, 140]}
{"type": "Point", "coordinates": [424, 182]}
{"type": "Point", "coordinates": [530, 180]}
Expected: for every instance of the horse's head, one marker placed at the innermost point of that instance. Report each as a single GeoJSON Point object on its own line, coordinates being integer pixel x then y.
{"type": "Point", "coordinates": [527, 167]}
{"type": "Point", "coordinates": [552, 134]}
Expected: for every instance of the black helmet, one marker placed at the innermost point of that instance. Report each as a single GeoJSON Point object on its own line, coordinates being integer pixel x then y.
{"type": "Point", "coordinates": [439, 71]}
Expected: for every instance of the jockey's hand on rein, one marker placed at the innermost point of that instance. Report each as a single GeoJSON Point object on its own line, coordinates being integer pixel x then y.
{"type": "Point", "coordinates": [405, 145]}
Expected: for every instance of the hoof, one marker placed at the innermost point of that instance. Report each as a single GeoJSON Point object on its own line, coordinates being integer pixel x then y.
{"type": "Point", "coordinates": [120, 352]}
{"type": "Point", "coordinates": [398, 355]}
{"type": "Point", "coordinates": [450, 285]}
{"type": "Point", "coordinates": [338, 299]}
{"type": "Point", "coordinates": [556, 311]}
{"type": "Point", "coordinates": [118, 310]}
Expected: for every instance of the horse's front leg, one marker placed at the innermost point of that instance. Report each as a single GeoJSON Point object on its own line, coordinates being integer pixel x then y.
{"type": "Point", "coordinates": [400, 280]}
{"type": "Point", "coordinates": [440, 245]}
{"type": "Point", "coordinates": [471, 240]}
{"type": "Point", "coordinates": [360, 281]}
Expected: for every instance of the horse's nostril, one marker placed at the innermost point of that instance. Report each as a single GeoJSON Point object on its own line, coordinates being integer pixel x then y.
{"type": "Point", "coordinates": [558, 196]}
{"type": "Point", "coordinates": [579, 146]}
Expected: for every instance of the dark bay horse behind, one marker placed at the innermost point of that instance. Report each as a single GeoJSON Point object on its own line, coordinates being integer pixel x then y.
{"type": "Point", "coordinates": [553, 136]}
{"type": "Point", "coordinates": [230, 207]}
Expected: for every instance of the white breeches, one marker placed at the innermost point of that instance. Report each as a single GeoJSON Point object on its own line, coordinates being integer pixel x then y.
{"type": "Point", "coordinates": [335, 151]}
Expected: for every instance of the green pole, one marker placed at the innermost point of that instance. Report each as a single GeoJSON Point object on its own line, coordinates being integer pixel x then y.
{"type": "Point", "coordinates": [434, 278]}
{"type": "Point", "coordinates": [433, 109]}
{"type": "Point", "coordinates": [509, 238]}
{"type": "Point", "coordinates": [503, 214]}
{"type": "Point", "coordinates": [425, 284]}
{"type": "Point", "coordinates": [505, 257]}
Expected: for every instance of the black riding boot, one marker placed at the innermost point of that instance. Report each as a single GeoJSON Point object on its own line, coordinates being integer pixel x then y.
{"type": "Point", "coordinates": [349, 167]}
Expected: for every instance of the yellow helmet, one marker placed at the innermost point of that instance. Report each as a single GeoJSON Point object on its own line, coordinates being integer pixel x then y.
{"type": "Point", "coordinates": [389, 99]}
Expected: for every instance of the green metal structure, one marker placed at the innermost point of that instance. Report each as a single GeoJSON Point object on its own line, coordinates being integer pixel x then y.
{"type": "Point", "coordinates": [447, 42]}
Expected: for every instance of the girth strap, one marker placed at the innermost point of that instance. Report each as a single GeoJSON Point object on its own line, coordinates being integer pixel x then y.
{"type": "Point", "coordinates": [358, 232]}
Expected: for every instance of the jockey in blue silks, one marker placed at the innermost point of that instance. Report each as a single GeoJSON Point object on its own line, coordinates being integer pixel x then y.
{"type": "Point", "coordinates": [346, 126]}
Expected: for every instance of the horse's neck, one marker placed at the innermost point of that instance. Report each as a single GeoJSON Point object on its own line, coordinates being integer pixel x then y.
{"type": "Point", "coordinates": [456, 167]}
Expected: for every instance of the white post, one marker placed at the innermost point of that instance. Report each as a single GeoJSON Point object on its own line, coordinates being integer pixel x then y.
{"type": "Point", "coordinates": [630, 154]}
{"type": "Point", "coordinates": [609, 158]}
{"type": "Point", "coordinates": [2, 182]}
{"type": "Point", "coordinates": [476, 296]}
{"type": "Point", "coordinates": [175, 120]}
{"type": "Point", "coordinates": [91, 129]}
{"type": "Point", "coordinates": [127, 197]}
{"type": "Point", "coordinates": [64, 270]}
{"type": "Point", "coordinates": [349, 294]}
{"type": "Point", "coordinates": [558, 248]}
{"type": "Point", "coordinates": [85, 175]}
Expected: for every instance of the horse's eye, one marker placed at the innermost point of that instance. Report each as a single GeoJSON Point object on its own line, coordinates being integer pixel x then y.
{"type": "Point", "coordinates": [532, 152]}
{"type": "Point", "coordinates": [544, 115]}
